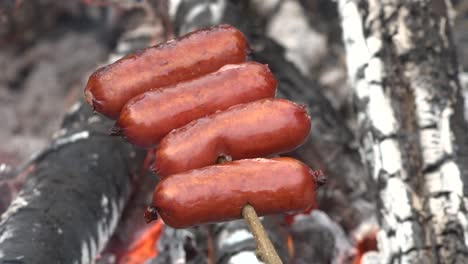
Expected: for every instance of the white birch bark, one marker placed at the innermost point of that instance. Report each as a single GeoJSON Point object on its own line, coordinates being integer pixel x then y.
{"type": "Point", "coordinates": [402, 69]}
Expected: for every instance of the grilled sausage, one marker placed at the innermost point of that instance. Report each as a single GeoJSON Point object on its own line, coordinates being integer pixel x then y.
{"type": "Point", "coordinates": [218, 193]}
{"type": "Point", "coordinates": [148, 117]}
{"type": "Point", "coordinates": [256, 129]}
{"type": "Point", "coordinates": [193, 55]}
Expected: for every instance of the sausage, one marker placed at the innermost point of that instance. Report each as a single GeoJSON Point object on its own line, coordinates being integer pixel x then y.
{"type": "Point", "coordinates": [256, 129]}
{"type": "Point", "coordinates": [148, 117]}
{"type": "Point", "coordinates": [193, 55]}
{"type": "Point", "coordinates": [218, 193]}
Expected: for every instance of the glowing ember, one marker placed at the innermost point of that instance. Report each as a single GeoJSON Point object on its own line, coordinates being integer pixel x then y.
{"type": "Point", "coordinates": [145, 247]}
{"type": "Point", "coordinates": [368, 243]}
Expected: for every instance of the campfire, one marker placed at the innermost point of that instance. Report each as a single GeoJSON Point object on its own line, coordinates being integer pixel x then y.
{"type": "Point", "coordinates": [70, 193]}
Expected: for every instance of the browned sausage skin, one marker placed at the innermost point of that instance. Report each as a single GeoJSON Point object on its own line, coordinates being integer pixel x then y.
{"type": "Point", "coordinates": [261, 128]}
{"type": "Point", "coordinates": [218, 193]}
{"type": "Point", "coordinates": [148, 117]}
{"type": "Point", "coordinates": [190, 56]}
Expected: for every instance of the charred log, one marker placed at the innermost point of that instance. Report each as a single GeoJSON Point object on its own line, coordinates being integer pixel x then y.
{"type": "Point", "coordinates": [403, 70]}
{"type": "Point", "coordinates": [72, 200]}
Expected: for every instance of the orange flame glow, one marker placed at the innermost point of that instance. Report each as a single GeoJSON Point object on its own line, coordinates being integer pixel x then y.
{"type": "Point", "coordinates": [145, 247]}
{"type": "Point", "coordinates": [290, 244]}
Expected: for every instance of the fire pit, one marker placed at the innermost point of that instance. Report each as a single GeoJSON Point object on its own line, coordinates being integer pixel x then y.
{"type": "Point", "coordinates": [80, 196]}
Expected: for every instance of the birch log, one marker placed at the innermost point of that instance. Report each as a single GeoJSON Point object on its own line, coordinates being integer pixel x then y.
{"type": "Point", "coordinates": [403, 71]}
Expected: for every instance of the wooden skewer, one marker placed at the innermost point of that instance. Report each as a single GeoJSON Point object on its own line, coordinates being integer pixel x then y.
{"type": "Point", "coordinates": [265, 250]}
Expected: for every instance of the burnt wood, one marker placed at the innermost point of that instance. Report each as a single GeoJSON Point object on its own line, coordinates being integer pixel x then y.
{"type": "Point", "coordinates": [403, 69]}
{"type": "Point", "coordinates": [73, 198]}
